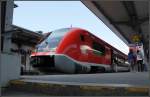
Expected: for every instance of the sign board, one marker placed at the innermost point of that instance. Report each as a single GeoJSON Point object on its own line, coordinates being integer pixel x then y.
{"type": "Point", "coordinates": [136, 38]}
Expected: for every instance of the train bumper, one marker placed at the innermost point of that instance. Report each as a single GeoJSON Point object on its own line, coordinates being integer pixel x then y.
{"type": "Point", "coordinates": [60, 62]}
{"type": "Point", "coordinates": [42, 61]}
{"type": "Point", "coordinates": [69, 65]}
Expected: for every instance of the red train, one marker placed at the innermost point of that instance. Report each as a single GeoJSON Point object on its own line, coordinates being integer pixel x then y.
{"type": "Point", "coordinates": [75, 50]}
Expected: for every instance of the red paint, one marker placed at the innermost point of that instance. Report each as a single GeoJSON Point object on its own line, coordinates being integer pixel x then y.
{"type": "Point", "coordinates": [70, 46]}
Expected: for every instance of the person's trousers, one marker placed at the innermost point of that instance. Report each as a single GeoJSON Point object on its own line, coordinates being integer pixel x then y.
{"type": "Point", "coordinates": [140, 65]}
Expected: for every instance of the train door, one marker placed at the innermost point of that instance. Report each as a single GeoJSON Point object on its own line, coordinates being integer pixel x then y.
{"type": "Point", "coordinates": [108, 56]}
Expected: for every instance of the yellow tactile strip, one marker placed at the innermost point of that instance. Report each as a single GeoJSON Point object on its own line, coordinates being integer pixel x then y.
{"type": "Point", "coordinates": [61, 89]}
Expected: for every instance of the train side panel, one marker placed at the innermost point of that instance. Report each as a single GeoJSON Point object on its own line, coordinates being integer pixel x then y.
{"type": "Point", "coordinates": [79, 51]}
{"type": "Point", "coordinates": [72, 44]}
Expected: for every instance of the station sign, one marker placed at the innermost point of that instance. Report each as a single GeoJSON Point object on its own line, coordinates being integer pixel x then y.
{"type": "Point", "coordinates": [136, 38]}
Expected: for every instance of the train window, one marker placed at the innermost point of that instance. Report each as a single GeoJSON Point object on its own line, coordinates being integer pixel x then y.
{"type": "Point", "coordinates": [52, 41]}
{"type": "Point", "coordinates": [82, 37]}
{"type": "Point", "coordinates": [98, 49]}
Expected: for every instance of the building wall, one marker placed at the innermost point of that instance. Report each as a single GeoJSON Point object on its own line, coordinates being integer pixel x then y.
{"type": "Point", "coordinates": [9, 15]}
{"type": "Point", "coordinates": [27, 61]}
{"type": "Point", "coordinates": [28, 66]}
{"type": "Point", "coordinates": [10, 64]}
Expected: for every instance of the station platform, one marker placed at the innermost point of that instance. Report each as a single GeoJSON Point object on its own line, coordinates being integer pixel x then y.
{"type": "Point", "coordinates": [107, 84]}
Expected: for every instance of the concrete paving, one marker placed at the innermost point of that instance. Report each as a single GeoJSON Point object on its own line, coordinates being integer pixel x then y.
{"type": "Point", "coordinates": [101, 84]}
{"type": "Point", "coordinates": [118, 79]}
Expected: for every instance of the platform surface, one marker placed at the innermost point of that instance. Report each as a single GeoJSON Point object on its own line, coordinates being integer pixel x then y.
{"type": "Point", "coordinates": [100, 84]}
{"type": "Point", "coordinates": [120, 79]}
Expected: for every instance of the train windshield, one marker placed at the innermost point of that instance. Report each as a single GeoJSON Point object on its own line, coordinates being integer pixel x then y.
{"type": "Point", "coordinates": [52, 41]}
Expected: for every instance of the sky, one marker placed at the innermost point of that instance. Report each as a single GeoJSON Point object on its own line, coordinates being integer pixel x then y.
{"type": "Point", "coordinates": [47, 16]}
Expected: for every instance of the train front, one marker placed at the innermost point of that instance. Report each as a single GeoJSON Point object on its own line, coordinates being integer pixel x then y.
{"type": "Point", "coordinates": [43, 57]}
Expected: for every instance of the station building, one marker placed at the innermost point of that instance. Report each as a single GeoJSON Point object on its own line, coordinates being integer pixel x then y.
{"type": "Point", "coordinates": [17, 45]}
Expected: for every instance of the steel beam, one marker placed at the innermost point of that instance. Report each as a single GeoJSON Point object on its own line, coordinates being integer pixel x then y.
{"type": "Point", "coordinates": [132, 13]}
{"type": "Point", "coordinates": [129, 23]}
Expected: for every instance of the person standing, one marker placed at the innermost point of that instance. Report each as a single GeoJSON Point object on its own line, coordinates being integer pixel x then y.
{"type": "Point", "coordinates": [140, 59]}
{"type": "Point", "coordinates": [132, 60]}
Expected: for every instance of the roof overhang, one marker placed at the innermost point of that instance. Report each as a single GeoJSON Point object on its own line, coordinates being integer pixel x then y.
{"type": "Point", "coordinates": [24, 36]}
{"type": "Point", "coordinates": [124, 18]}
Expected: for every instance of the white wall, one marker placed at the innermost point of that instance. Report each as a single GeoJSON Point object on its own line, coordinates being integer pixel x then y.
{"type": "Point", "coordinates": [10, 61]}
{"type": "Point", "coordinates": [10, 67]}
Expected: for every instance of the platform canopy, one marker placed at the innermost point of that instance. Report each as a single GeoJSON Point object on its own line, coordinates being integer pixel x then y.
{"type": "Point", "coordinates": [26, 37]}
{"type": "Point", "coordinates": [129, 20]}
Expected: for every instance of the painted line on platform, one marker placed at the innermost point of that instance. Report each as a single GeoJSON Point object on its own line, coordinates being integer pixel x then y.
{"type": "Point", "coordinates": [83, 86]}
{"type": "Point", "coordinates": [77, 83]}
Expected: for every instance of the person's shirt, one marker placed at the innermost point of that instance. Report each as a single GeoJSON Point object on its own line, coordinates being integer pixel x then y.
{"type": "Point", "coordinates": [140, 56]}
{"type": "Point", "coordinates": [131, 56]}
